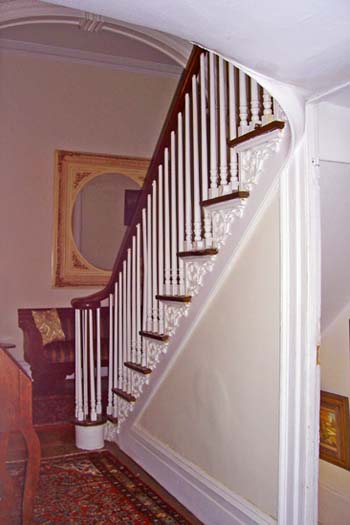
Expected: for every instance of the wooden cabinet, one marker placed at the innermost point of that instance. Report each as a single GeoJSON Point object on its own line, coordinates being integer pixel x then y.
{"type": "Point", "coordinates": [16, 416]}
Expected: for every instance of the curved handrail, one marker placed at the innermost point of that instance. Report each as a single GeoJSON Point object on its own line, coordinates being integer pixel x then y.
{"type": "Point", "coordinates": [94, 300]}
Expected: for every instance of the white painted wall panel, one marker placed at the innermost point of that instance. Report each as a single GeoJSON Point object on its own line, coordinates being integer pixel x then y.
{"type": "Point", "coordinates": [219, 405]}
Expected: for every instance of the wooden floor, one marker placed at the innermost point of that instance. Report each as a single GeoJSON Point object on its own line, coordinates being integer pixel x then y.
{"type": "Point", "coordinates": [59, 440]}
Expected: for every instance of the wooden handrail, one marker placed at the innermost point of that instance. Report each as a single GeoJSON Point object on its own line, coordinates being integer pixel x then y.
{"type": "Point", "coordinates": [93, 301]}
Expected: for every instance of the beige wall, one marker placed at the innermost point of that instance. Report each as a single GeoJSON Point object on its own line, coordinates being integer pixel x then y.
{"type": "Point", "coordinates": [219, 405]}
{"type": "Point", "coordinates": [46, 105]}
{"type": "Point", "coordinates": [334, 499]}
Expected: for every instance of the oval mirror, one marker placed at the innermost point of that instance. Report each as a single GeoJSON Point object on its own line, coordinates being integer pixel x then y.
{"type": "Point", "coordinates": [101, 212]}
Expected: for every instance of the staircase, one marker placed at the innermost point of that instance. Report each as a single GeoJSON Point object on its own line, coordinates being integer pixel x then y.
{"type": "Point", "coordinates": [220, 131]}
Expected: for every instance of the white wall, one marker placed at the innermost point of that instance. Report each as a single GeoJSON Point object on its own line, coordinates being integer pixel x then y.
{"type": "Point", "coordinates": [218, 407]}
{"type": "Point", "coordinates": [47, 105]}
{"type": "Point", "coordinates": [334, 132]}
{"type": "Point", "coordinates": [335, 237]}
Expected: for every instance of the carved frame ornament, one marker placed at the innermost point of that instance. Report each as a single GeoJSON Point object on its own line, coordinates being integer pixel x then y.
{"type": "Point", "coordinates": [72, 171]}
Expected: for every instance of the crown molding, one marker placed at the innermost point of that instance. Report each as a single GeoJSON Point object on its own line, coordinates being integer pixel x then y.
{"type": "Point", "coordinates": [78, 56]}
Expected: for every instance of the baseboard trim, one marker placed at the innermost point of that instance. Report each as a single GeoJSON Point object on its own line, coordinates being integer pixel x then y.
{"type": "Point", "coordinates": [207, 499]}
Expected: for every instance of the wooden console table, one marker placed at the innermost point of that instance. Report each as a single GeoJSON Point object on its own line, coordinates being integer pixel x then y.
{"type": "Point", "coordinates": [16, 416]}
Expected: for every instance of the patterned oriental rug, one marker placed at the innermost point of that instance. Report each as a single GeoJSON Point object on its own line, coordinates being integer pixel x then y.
{"type": "Point", "coordinates": [91, 489]}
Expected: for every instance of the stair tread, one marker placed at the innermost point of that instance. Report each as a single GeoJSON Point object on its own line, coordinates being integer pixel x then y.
{"type": "Point", "coordinates": [156, 336]}
{"type": "Point", "coordinates": [88, 423]}
{"type": "Point", "coordinates": [125, 395]}
{"type": "Point", "coordinates": [199, 253]}
{"type": "Point", "coordinates": [175, 298]}
{"type": "Point", "coordinates": [138, 368]}
{"type": "Point", "coordinates": [257, 132]}
{"type": "Point", "coordinates": [225, 198]}
{"type": "Point", "coordinates": [112, 419]}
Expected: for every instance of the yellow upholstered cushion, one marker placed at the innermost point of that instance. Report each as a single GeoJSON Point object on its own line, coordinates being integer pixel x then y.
{"type": "Point", "coordinates": [49, 325]}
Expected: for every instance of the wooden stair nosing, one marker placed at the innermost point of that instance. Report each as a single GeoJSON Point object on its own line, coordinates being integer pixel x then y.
{"type": "Point", "coordinates": [125, 395]}
{"type": "Point", "coordinates": [225, 198]}
{"type": "Point", "coordinates": [158, 337]}
{"type": "Point", "coordinates": [175, 298]}
{"type": "Point", "coordinates": [138, 368]}
{"type": "Point", "coordinates": [199, 253]}
{"type": "Point", "coordinates": [112, 419]}
{"type": "Point", "coordinates": [257, 132]}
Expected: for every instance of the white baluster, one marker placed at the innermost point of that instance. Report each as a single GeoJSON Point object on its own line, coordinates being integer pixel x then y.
{"type": "Point", "coordinates": [98, 363]}
{"type": "Point", "coordinates": [173, 214]}
{"type": "Point", "coordinates": [204, 132]}
{"type": "Point", "coordinates": [78, 371]}
{"type": "Point", "coordinates": [188, 175]}
{"type": "Point", "coordinates": [213, 192]}
{"type": "Point", "coordinates": [120, 332]}
{"type": "Point", "coordinates": [128, 318]}
{"type": "Point", "coordinates": [115, 349]}
{"type": "Point", "coordinates": [208, 239]}
{"type": "Point", "coordinates": [233, 126]}
{"type": "Point", "coordinates": [133, 303]}
{"type": "Point", "coordinates": [154, 259]}
{"type": "Point", "coordinates": [138, 294]}
{"type": "Point", "coordinates": [145, 280]}
{"type": "Point", "coordinates": [160, 248]}
{"type": "Point", "coordinates": [145, 269]}
{"type": "Point", "coordinates": [267, 105]}
{"type": "Point", "coordinates": [149, 264]}
{"type": "Point", "coordinates": [197, 226]}
{"type": "Point", "coordinates": [93, 415]}
{"type": "Point", "coordinates": [243, 104]}
{"type": "Point", "coordinates": [110, 357]}
{"type": "Point", "coordinates": [225, 188]}
{"type": "Point", "coordinates": [180, 202]}
{"type": "Point", "coordinates": [167, 269]}
{"type": "Point", "coordinates": [125, 341]}
{"type": "Point", "coordinates": [254, 103]}
{"type": "Point", "coordinates": [85, 363]}
{"type": "Point", "coordinates": [277, 110]}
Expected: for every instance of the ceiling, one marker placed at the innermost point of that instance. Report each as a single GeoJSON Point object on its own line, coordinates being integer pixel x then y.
{"type": "Point", "coordinates": [305, 43]}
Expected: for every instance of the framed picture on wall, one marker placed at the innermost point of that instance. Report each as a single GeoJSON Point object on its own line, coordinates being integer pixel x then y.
{"type": "Point", "coordinates": [335, 429]}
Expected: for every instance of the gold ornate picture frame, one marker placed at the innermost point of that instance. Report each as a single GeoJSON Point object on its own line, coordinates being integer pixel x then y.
{"type": "Point", "coordinates": [74, 170]}
{"type": "Point", "coordinates": [335, 429]}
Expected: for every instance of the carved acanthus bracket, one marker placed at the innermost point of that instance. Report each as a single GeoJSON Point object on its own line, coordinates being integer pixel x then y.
{"type": "Point", "coordinates": [138, 382]}
{"type": "Point", "coordinates": [173, 314]}
{"type": "Point", "coordinates": [195, 270]}
{"type": "Point", "coordinates": [124, 407]}
{"type": "Point", "coordinates": [222, 218]}
{"type": "Point", "coordinates": [154, 350]}
{"type": "Point", "coordinates": [251, 161]}
{"type": "Point", "coordinates": [111, 431]}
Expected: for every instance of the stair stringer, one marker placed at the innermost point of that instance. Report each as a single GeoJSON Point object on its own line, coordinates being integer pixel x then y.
{"type": "Point", "coordinates": [234, 223]}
